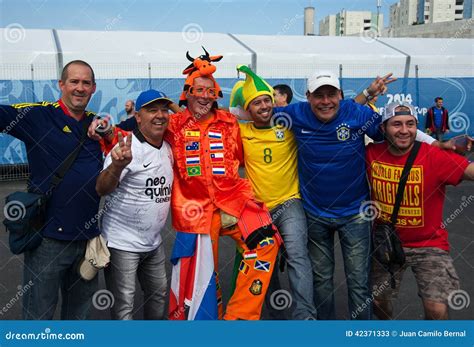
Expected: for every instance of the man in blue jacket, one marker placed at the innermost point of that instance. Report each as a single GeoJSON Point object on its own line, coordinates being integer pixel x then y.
{"type": "Point", "coordinates": [51, 131]}
{"type": "Point", "coordinates": [437, 119]}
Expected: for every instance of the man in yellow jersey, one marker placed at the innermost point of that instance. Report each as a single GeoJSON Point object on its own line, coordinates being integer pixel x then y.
{"type": "Point", "coordinates": [271, 165]}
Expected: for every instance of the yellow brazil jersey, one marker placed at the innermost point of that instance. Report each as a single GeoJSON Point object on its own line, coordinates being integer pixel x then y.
{"type": "Point", "coordinates": [270, 163]}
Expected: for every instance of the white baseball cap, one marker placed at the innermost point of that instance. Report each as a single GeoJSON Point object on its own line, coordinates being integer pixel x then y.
{"type": "Point", "coordinates": [97, 257]}
{"type": "Point", "coordinates": [390, 111]}
{"type": "Point", "coordinates": [322, 78]}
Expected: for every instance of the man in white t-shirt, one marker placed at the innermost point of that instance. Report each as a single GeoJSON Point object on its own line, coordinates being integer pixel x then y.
{"type": "Point", "coordinates": [137, 192]}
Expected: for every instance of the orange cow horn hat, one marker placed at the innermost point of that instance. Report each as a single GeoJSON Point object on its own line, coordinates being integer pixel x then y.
{"type": "Point", "coordinates": [199, 67]}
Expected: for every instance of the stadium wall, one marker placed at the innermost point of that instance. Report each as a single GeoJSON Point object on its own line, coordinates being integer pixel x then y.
{"type": "Point", "coordinates": [112, 94]}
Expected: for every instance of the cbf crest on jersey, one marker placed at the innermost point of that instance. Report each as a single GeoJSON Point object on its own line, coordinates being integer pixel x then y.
{"type": "Point", "coordinates": [280, 135]}
{"type": "Point", "coordinates": [343, 132]}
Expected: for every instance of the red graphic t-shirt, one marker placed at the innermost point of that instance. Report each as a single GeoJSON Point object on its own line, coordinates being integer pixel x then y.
{"type": "Point", "coordinates": [419, 222]}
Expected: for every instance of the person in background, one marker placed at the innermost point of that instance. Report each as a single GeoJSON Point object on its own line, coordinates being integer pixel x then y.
{"type": "Point", "coordinates": [130, 108]}
{"type": "Point", "coordinates": [282, 95]}
{"type": "Point", "coordinates": [371, 103]}
{"type": "Point", "coordinates": [437, 120]}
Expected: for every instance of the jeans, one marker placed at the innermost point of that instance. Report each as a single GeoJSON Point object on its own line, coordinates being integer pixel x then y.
{"type": "Point", "coordinates": [120, 277]}
{"type": "Point", "coordinates": [438, 134]}
{"type": "Point", "coordinates": [53, 266]}
{"type": "Point", "coordinates": [355, 238]}
{"type": "Point", "coordinates": [290, 219]}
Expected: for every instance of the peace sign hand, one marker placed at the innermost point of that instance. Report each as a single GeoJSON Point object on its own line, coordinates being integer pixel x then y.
{"type": "Point", "coordinates": [122, 153]}
{"type": "Point", "coordinates": [379, 85]}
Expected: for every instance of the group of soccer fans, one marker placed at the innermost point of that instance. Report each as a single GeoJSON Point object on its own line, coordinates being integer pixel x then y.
{"type": "Point", "coordinates": [308, 174]}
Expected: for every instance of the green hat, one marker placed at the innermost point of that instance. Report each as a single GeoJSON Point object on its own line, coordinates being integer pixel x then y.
{"type": "Point", "coordinates": [245, 91]}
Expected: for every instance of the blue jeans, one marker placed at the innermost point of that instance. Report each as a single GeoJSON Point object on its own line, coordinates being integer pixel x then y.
{"type": "Point", "coordinates": [53, 266]}
{"type": "Point", "coordinates": [120, 277]}
{"type": "Point", "coordinates": [355, 238]}
{"type": "Point", "coordinates": [438, 134]}
{"type": "Point", "coordinates": [290, 219]}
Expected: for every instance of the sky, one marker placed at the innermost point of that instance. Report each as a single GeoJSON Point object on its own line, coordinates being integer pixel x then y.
{"type": "Point", "coordinates": [258, 17]}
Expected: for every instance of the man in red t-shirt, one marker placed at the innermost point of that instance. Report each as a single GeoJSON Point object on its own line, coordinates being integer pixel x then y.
{"type": "Point", "coordinates": [419, 222]}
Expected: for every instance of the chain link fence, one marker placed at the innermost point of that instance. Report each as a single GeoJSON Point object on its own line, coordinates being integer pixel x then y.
{"type": "Point", "coordinates": [38, 82]}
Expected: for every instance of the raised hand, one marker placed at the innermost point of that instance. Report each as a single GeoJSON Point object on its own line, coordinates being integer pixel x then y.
{"type": "Point", "coordinates": [122, 152]}
{"type": "Point", "coordinates": [104, 123]}
{"type": "Point", "coordinates": [379, 85]}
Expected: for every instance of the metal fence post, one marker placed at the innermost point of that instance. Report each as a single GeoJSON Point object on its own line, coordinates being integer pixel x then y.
{"type": "Point", "coordinates": [33, 94]}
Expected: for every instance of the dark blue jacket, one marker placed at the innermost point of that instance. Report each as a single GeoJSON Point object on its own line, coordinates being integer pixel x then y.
{"type": "Point", "coordinates": [50, 135]}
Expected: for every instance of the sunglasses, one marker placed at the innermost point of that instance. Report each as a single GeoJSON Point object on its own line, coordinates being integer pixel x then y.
{"type": "Point", "coordinates": [202, 91]}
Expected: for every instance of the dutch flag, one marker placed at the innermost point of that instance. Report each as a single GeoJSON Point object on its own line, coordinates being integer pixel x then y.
{"type": "Point", "coordinates": [192, 160]}
{"type": "Point", "coordinates": [215, 135]}
{"type": "Point", "coordinates": [218, 170]}
{"type": "Point", "coordinates": [216, 145]}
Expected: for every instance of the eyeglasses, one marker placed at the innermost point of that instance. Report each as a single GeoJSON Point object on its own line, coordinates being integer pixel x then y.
{"type": "Point", "coordinates": [202, 91]}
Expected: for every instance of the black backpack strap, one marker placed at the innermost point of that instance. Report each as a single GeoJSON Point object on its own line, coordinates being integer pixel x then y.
{"type": "Point", "coordinates": [403, 180]}
{"type": "Point", "coordinates": [67, 163]}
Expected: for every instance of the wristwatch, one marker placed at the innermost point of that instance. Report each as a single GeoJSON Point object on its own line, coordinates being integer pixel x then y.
{"type": "Point", "coordinates": [367, 95]}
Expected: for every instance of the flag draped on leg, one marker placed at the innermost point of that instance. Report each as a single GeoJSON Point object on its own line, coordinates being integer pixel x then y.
{"type": "Point", "coordinates": [193, 288]}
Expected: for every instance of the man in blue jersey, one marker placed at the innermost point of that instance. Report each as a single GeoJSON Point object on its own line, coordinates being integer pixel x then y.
{"type": "Point", "coordinates": [331, 162]}
{"type": "Point", "coordinates": [51, 131]}
{"type": "Point", "coordinates": [437, 119]}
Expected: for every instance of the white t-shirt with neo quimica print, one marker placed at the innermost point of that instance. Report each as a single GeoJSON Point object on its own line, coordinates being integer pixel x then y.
{"type": "Point", "coordinates": [134, 214]}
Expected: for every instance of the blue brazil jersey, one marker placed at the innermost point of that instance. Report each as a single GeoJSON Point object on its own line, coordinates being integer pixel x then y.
{"type": "Point", "coordinates": [438, 117]}
{"type": "Point", "coordinates": [331, 156]}
{"type": "Point", "coordinates": [50, 136]}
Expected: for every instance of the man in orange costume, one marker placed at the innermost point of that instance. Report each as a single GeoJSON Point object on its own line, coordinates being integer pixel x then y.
{"type": "Point", "coordinates": [209, 200]}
